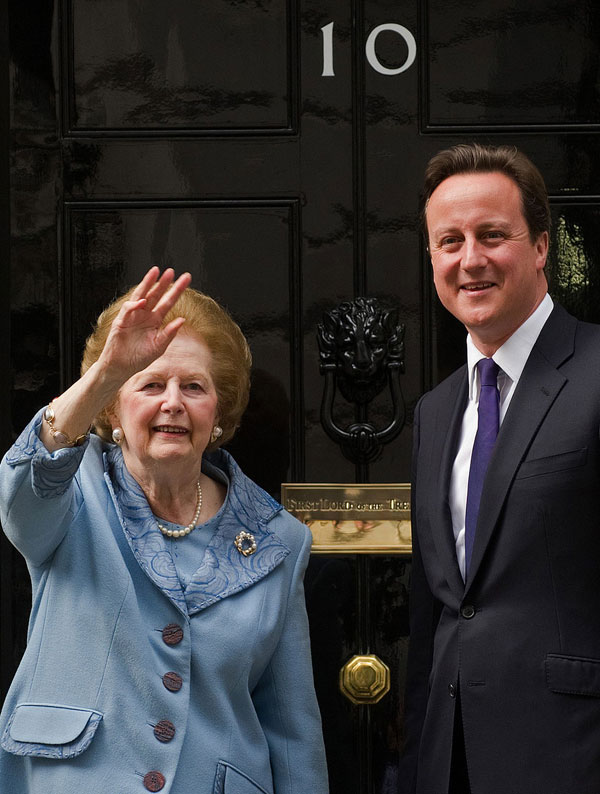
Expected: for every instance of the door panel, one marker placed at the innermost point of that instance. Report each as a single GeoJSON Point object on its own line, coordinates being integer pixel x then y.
{"type": "Point", "coordinates": [508, 65]}
{"type": "Point", "coordinates": [169, 71]}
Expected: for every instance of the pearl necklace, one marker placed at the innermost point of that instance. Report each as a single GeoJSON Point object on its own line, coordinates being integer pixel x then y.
{"type": "Point", "coordinates": [181, 533]}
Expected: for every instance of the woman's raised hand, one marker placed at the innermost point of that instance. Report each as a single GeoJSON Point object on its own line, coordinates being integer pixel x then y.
{"type": "Point", "coordinates": [136, 337]}
{"type": "Point", "coordinates": [135, 340]}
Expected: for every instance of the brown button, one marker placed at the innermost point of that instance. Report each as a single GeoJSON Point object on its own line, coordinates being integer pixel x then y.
{"type": "Point", "coordinates": [172, 681]}
{"type": "Point", "coordinates": [172, 634]}
{"type": "Point", "coordinates": [154, 781]}
{"type": "Point", "coordinates": [164, 731]}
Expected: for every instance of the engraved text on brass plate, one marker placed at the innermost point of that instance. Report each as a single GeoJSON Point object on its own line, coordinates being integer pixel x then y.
{"type": "Point", "coordinates": [353, 518]}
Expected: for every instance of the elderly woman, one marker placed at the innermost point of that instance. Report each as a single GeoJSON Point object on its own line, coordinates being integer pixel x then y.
{"type": "Point", "coordinates": [168, 644]}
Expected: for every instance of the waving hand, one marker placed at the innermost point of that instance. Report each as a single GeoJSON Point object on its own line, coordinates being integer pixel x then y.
{"type": "Point", "coordinates": [136, 337]}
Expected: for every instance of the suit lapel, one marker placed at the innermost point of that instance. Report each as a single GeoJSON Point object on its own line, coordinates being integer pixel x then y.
{"type": "Point", "coordinates": [448, 426]}
{"type": "Point", "coordinates": [538, 387]}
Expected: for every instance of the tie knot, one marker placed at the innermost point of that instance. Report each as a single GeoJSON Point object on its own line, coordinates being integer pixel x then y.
{"type": "Point", "coordinates": [488, 372]}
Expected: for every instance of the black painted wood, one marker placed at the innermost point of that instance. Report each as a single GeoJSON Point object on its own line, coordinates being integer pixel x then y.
{"type": "Point", "coordinates": [476, 83]}
{"type": "Point", "coordinates": [7, 554]}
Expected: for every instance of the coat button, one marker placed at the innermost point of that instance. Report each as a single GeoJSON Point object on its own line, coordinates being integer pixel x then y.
{"type": "Point", "coordinates": [164, 731]}
{"type": "Point", "coordinates": [468, 611]}
{"type": "Point", "coordinates": [452, 690]}
{"type": "Point", "coordinates": [154, 781]}
{"type": "Point", "coordinates": [172, 634]}
{"type": "Point", "coordinates": [172, 681]}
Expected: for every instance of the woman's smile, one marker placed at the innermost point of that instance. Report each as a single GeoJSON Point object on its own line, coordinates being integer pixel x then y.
{"type": "Point", "coordinates": [170, 430]}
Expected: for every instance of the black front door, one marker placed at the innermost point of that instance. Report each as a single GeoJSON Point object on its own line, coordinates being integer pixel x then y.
{"type": "Point", "coordinates": [275, 150]}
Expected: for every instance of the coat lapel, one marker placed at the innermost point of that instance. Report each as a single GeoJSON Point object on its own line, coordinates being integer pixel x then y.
{"type": "Point", "coordinates": [223, 570]}
{"type": "Point", "coordinates": [538, 387]}
{"type": "Point", "coordinates": [448, 425]}
{"type": "Point", "coordinates": [141, 531]}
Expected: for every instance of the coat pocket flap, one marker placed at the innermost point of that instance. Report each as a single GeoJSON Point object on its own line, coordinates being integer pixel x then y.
{"type": "Point", "coordinates": [230, 780]}
{"type": "Point", "coordinates": [553, 463]}
{"type": "Point", "coordinates": [50, 731]}
{"type": "Point", "coordinates": [48, 724]}
{"type": "Point", "coordinates": [573, 675]}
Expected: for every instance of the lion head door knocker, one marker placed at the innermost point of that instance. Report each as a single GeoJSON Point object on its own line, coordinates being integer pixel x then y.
{"type": "Point", "coordinates": [362, 351]}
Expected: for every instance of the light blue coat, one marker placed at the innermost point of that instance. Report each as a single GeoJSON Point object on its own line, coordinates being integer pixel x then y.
{"type": "Point", "coordinates": [81, 712]}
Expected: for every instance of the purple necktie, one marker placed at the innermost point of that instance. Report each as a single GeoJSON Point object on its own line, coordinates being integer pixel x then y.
{"type": "Point", "coordinates": [487, 430]}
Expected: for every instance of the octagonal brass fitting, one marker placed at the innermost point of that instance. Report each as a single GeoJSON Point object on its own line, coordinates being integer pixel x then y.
{"type": "Point", "coordinates": [365, 679]}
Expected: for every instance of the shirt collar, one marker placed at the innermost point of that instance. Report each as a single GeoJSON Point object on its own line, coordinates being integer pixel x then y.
{"type": "Point", "coordinates": [512, 356]}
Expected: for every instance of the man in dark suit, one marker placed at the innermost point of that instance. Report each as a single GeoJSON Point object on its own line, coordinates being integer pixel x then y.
{"type": "Point", "coordinates": [503, 686]}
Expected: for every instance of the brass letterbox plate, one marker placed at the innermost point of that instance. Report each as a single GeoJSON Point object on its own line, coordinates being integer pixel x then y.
{"type": "Point", "coordinates": [353, 518]}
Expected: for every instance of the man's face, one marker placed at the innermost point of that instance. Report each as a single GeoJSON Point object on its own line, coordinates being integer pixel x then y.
{"type": "Point", "coordinates": [486, 270]}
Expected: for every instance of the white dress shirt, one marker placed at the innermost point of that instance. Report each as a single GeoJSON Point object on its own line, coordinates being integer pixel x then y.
{"type": "Point", "coordinates": [511, 358]}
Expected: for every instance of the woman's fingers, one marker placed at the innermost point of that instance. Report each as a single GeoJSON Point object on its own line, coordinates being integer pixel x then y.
{"type": "Point", "coordinates": [145, 284]}
{"type": "Point", "coordinates": [154, 285]}
{"type": "Point", "coordinates": [154, 298]}
{"type": "Point", "coordinates": [171, 295]}
{"type": "Point", "coordinates": [126, 317]}
{"type": "Point", "coordinates": [164, 292]}
{"type": "Point", "coordinates": [171, 329]}
{"type": "Point", "coordinates": [136, 337]}
{"type": "Point", "coordinates": [158, 289]}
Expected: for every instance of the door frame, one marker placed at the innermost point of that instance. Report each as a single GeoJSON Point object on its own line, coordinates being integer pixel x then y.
{"type": "Point", "coordinates": [6, 551]}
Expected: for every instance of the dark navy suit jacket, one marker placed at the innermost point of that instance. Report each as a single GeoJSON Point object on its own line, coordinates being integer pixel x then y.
{"type": "Point", "coordinates": [520, 640]}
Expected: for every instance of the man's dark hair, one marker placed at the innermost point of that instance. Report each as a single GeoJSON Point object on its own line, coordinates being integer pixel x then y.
{"type": "Point", "coordinates": [470, 158]}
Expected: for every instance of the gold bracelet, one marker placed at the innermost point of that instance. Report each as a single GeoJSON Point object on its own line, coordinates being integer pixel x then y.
{"type": "Point", "coordinates": [62, 438]}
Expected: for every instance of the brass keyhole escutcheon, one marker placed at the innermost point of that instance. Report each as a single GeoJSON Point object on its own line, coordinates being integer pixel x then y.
{"type": "Point", "coordinates": [365, 679]}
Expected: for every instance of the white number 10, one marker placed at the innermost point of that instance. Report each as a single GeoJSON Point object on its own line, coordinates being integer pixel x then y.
{"type": "Point", "coordinates": [375, 63]}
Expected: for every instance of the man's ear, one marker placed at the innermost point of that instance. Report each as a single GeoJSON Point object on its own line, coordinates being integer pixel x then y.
{"type": "Point", "coordinates": [541, 247]}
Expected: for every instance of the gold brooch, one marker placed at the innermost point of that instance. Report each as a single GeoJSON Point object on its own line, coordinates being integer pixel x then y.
{"type": "Point", "coordinates": [245, 543]}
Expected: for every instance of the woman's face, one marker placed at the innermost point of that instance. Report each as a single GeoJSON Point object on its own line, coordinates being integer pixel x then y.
{"type": "Point", "coordinates": [168, 410]}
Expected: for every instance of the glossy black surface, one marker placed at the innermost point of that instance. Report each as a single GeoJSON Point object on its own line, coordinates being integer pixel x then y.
{"type": "Point", "coordinates": [512, 63]}
{"type": "Point", "coordinates": [177, 65]}
{"type": "Point", "coordinates": [389, 581]}
{"type": "Point", "coordinates": [9, 625]}
{"type": "Point", "coordinates": [333, 603]}
{"type": "Point", "coordinates": [204, 135]}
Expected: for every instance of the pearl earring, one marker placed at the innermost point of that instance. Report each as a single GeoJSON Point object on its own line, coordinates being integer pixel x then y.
{"type": "Point", "coordinates": [217, 432]}
{"type": "Point", "coordinates": [118, 435]}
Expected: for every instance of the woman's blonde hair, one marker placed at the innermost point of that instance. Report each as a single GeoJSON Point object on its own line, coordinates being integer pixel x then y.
{"type": "Point", "coordinates": [204, 318]}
